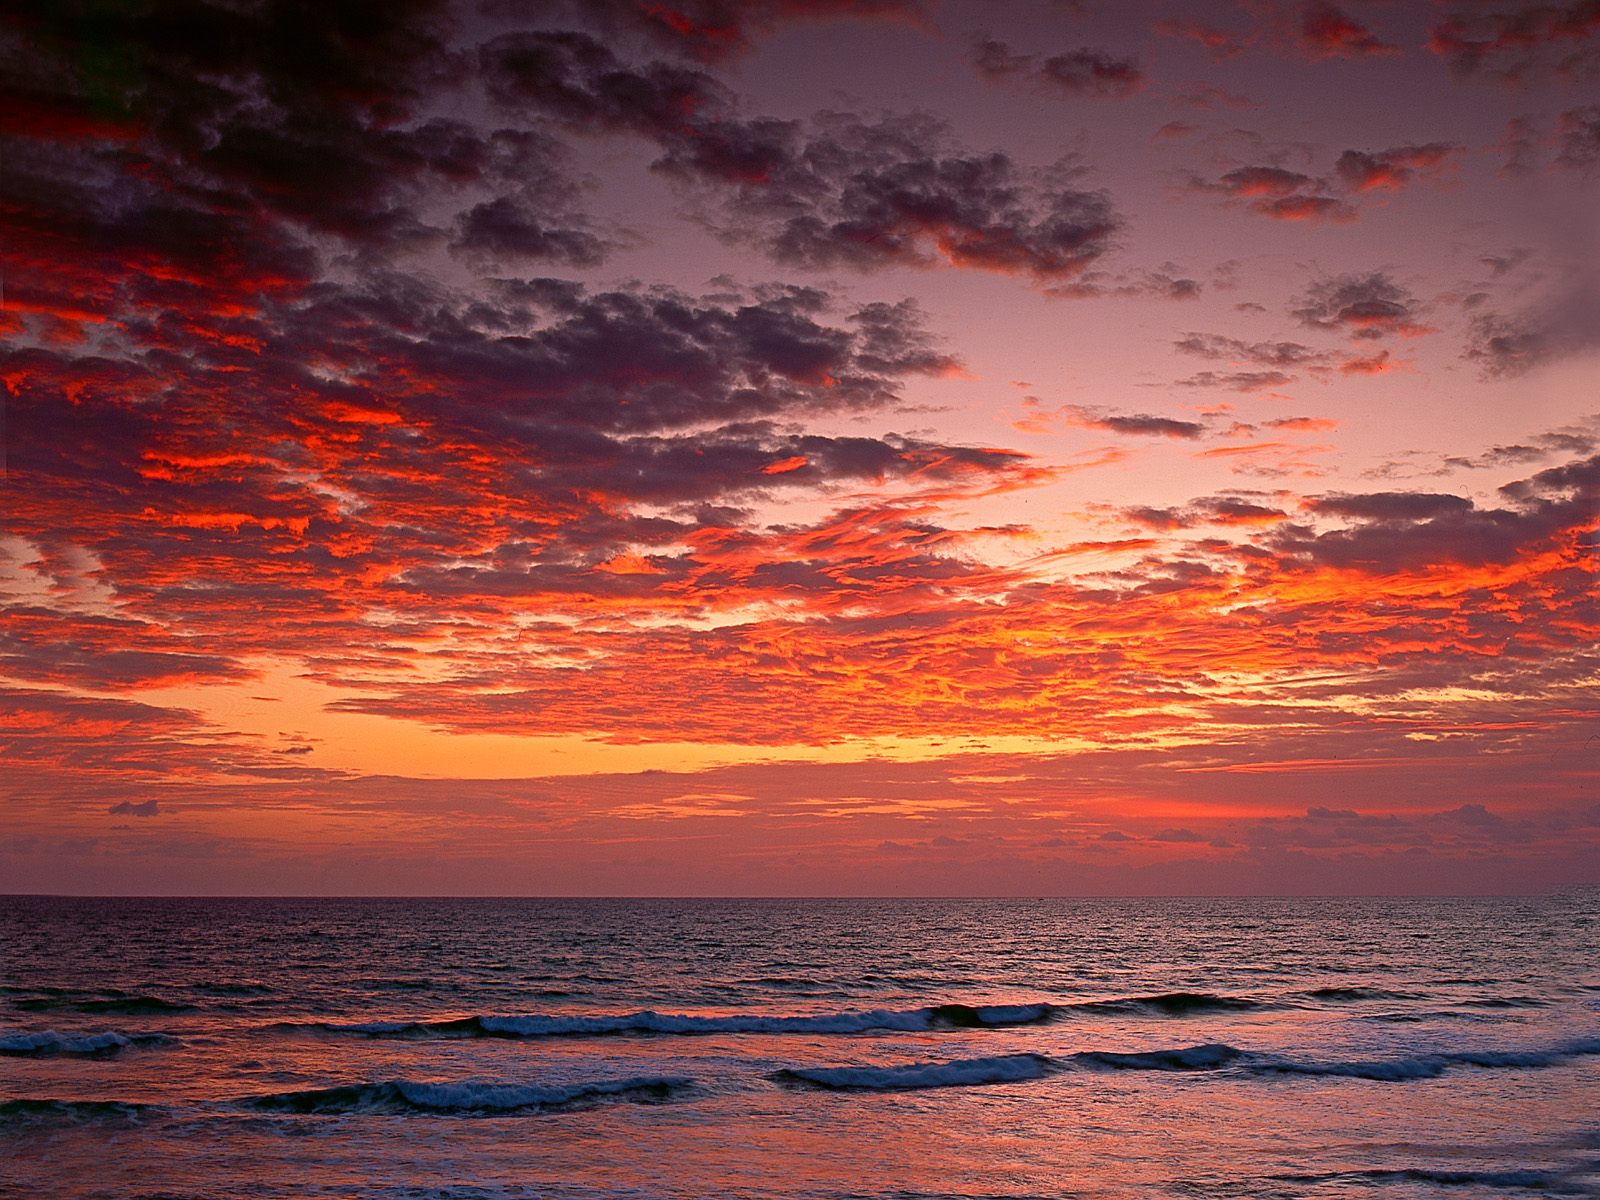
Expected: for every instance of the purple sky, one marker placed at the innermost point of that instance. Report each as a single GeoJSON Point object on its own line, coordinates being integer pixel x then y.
{"type": "Point", "coordinates": [800, 447]}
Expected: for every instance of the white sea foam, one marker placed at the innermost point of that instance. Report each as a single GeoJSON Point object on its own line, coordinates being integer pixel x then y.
{"type": "Point", "coordinates": [406, 1095]}
{"type": "Point", "coordinates": [1431, 1066]}
{"type": "Point", "coordinates": [966, 1072]}
{"type": "Point", "coordinates": [1187, 1058]}
{"type": "Point", "coordinates": [915, 1020]}
{"type": "Point", "coordinates": [51, 1042]}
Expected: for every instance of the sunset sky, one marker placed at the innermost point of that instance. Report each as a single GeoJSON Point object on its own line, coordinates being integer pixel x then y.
{"type": "Point", "coordinates": [800, 447]}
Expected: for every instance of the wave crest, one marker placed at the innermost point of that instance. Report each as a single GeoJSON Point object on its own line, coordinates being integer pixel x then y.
{"type": "Point", "coordinates": [29, 1112]}
{"type": "Point", "coordinates": [1172, 1004]}
{"type": "Point", "coordinates": [411, 1096]}
{"type": "Point", "coordinates": [916, 1020]}
{"type": "Point", "coordinates": [1187, 1058]}
{"type": "Point", "coordinates": [104, 1044]}
{"type": "Point", "coordinates": [965, 1072]}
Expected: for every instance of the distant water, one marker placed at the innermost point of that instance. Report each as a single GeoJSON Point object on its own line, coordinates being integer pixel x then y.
{"type": "Point", "coordinates": [480, 1049]}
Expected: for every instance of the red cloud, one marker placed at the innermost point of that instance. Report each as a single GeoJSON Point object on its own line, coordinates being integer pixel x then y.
{"type": "Point", "coordinates": [1327, 32]}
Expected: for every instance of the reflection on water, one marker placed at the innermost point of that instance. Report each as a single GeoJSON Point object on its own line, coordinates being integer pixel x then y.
{"type": "Point", "coordinates": [442, 1048]}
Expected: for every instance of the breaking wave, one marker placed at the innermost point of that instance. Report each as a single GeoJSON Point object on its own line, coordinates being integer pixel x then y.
{"type": "Point", "coordinates": [912, 1020]}
{"type": "Point", "coordinates": [1188, 1058]}
{"type": "Point", "coordinates": [1431, 1066]}
{"type": "Point", "coordinates": [916, 1020]}
{"type": "Point", "coordinates": [965, 1072]}
{"type": "Point", "coordinates": [1012, 1068]}
{"type": "Point", "coordinates": [29, 1112]}
{"type": "Point", "coordinates": [1353, 995]}
{"type": "Point", "coordinates": [109, 1001]}
{"type": "Point", "coordinates": [102, 1044]}
{"type": "Point", "coordinates": [1541, 1181]}
{"type": "Point", "coordinates": [1172, 1004]}
{"type": "Point", "coordinates": [410, 1096]}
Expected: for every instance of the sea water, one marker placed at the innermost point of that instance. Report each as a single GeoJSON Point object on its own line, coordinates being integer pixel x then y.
{"type": "Point", "coordinates": [1393, 1048]}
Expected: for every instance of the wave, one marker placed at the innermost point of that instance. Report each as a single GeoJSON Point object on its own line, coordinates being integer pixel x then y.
{"type": "Point", "coordinates": [1171, 1004]}
{"type": "Point", "coordinates": [916, 1020]}
{"type": "Point", "coordinates": [121, 1005]}
{"type": "Point", "coordinates": [1506, 1002]}
{"type": "Point", "coordinates": [1542, 1181]}
{"type": "Point", "coordinates": [1431, 1066]}
{"type": "Point", "coordinates": [410, 1096]}
{"type": "Point", "coordinates": [1438, 1014]}
{"type": "Point", "coordinates": [1209, 1057]}
{"type": "Point", "coordinates": [27, 1112]}
{"type": "Point", "coordinates": [911, 1020]}
{"type": "Point", "coordinates": [234, 989]}
{"type": "Point", "coordinates": [964, 1072]}
{"type": "Point", "coordinates": [1352, 995]}
{"type": "Point", "coordinates": [1187, 1058]}
{"type": "Point", "coordinates": [98, 1044]}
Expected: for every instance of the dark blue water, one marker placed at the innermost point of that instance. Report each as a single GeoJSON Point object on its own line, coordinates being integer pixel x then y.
{"type": "Point", "coordinates": [531, 1048]}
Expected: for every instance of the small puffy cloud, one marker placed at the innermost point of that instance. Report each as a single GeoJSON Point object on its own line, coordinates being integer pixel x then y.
{"type": "Point", "coordinates": [1081, 72]}
{"type": "Point", "coordinates": [1579, 132]}
{"type": "Point", "coordinates": [1327, 31]}
{"type": "Point", "coordinates": [1363, 306]}
{"type": "Point", "coordinates": [1521, 44]}
{"type": "Point", "coordinates": [1136, 424]}
{"type": "Point", "coordinates": [1365, 171]}
{"type": "Point", "coordinates": [142, 808]}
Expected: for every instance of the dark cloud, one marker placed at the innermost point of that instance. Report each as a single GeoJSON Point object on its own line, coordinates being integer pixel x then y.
{"type": "Point", "coordinates": [1305, 208]}
{"type": "Point", "coordinates": [125, 744]}
{"type": "Point", "coordinates": [1580, 139]}
{"type": "Point", "coordinates": [1140, 424]}
{"type": "Point", "coordinates": [1180, 836]}
{"type": "Point", "coordinates": [1392, 506]}
{"type": "Point", "coordinates": [1504, 348]}
{"type": "Point", "coordinates": [1219, 43]}
{"type": "Point", "coordinates": [995, 59]}
{"type": "Point", "coordinates": [1082, 72]}
{"type": "Point", "coordinates": [1327, 31]}
{"type": "Point", "coordinates": [1520, 144]}
{"type": "Point", "coordinates": [1277, 192]}
{"type": "Point", "coordinates": [1268, 354]}
{"type": "Point", "coordinates": [1398, 531]}
{"type": "Point", "coordinates": [382, 442]}
{"type": "Point", "coordinates": [1208, 510]}
{"type": "Point", "coordinates": [897, 193]}
{"type": "Point", "coordinates": [1519, 44]}
{"type": "Point", "coordinates": [1288, 195]}
{"type": "Point", "coordinates": [1504, 264]}
{"type": "Point", "coordinates": [1251, 182]}
{"type": "Point", "coordinates": [143, 808]}
{"type": "Point", "coordinates": [1237, 381]}
{"type": "Point", "coordinates": [1571, 481]}
{"type": "Point", "coordinates": [1166, 283]}
{"type": "Point", "coordinates": [1276, 357]}
{"type": "Point", "coordinates": [1363, 306]}
{"type": "Point", "coordinates": [220, 151]}
{"type": "Point", "coordinates": [839, 191]}
{"type": "Point", "coordinates": [1211, 98]}
{"type": "Point", "coordinates": [1092, 73]}
{"type": "Point", "coordinates": [1364, 171]}
{"type": "Point", "coordinates": [1231, 510]}
{"type": "Point", "coordinates": [501, 231]}
{"type": "Point", "coordinates": [1564, 325]}
{"type": "Point", "coordinates": [706, 30]}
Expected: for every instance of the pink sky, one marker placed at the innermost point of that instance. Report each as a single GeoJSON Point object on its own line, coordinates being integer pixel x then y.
{"type": "Point", "coordinates": [801, 448]}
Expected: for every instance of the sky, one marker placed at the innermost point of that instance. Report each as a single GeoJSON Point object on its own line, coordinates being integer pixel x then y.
{"type": "Point", "coordinates": [800, 447]}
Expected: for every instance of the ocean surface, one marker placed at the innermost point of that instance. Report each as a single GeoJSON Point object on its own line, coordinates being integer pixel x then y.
{"type": "Point", "coordinates": [478, 1049]}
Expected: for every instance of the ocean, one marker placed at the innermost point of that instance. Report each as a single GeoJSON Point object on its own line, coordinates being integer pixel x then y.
{"type": "Point", "coordinates": [201, 1049]}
